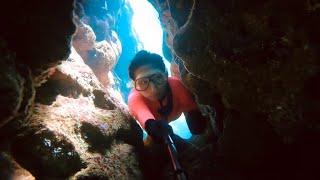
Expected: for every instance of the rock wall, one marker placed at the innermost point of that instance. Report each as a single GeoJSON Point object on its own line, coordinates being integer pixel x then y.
{"type": "Point", "coordinates": [60, 116]}
{"type": "Point", "coordinates": [257, 63]}
{"type": "Point", "coordinates": [29, 46]}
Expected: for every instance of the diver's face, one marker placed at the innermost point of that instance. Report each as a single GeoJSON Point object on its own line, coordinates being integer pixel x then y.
{"type": "Point", "coordinates": [150, 82]}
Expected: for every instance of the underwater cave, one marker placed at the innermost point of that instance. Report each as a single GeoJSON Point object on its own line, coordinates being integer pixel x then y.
{"type": "Point", "coordinates": [252, 69]}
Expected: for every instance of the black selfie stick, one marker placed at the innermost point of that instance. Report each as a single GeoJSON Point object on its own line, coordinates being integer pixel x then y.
{"type": "Point", "coordinates": [181, 175]}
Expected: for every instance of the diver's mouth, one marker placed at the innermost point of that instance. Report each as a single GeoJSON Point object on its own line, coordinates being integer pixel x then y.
{"type": "Point", "coordinates": [159, 96]}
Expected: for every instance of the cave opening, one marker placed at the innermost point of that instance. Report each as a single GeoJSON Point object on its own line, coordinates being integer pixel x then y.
{"type": "Point", "coordinates": [63, 64]}
{"type": "Point", "coordinates": [149, 33]}
{"type": "Point", "coordinates": [120, 28]}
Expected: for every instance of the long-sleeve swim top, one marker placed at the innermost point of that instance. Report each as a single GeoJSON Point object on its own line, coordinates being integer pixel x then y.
{"type": "Point", "coordinates": [143, 109]}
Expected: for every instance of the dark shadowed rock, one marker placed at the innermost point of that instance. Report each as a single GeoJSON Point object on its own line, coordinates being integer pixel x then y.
{"type": "Point", "coordinates": [101, 101]}
{"type": "Point", "coordinates": [10, 169]}
{"type": "Point", "coordinates": [46, 154]}
{"type": "Point", "coordinates": [17, 88]}
{"type": "Point", "coordinates": [11, 86]}
{"type": "Point", "coordinates": [262, 59]}
{"type": "Point", "coordinates": [96, 137]}
{"type": "Point", "coordinates": [31, 43]}
{"type": "Point", "coordinates": [42, 37]}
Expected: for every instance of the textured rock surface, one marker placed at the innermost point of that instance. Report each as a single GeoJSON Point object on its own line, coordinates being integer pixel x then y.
{"type": "Point", "coordinates": [75, 121]}
{"type": "Point", "coordinates": [261, 60]}
{"type": "Point", "coordinates": [84, 39]}
{"type": "Point", "coordinates": [59, 118]}
{"type": "Point", "coordinates": [71, 134]}
{"type": "Point", "coordinates": [96, 41]}
{"type": "Point", "coordinates": [71, 78]}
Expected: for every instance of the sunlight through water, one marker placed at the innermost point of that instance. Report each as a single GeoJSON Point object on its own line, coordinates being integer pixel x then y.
{"type": "Point", "coordinates": [149, 32]}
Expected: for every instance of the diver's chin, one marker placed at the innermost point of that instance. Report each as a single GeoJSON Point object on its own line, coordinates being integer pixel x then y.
{"type": "Point", "coordinates": [156, 97]}
{"type": "Point", "coordinates": [152, 98]}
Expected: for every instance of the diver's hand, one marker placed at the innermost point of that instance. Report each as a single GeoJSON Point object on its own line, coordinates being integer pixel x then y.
{"type": "Point", "coordinates": [158, 129]}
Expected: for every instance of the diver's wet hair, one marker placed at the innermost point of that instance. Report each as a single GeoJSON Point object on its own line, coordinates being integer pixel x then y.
{"type": "Point", "coordinates": [143, 58]}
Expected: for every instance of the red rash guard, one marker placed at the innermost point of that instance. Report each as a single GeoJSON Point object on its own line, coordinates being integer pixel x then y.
{"type": "Point", "coordinates": [143, 109]}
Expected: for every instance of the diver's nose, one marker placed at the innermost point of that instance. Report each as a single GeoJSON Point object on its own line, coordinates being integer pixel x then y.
{"type": "Point", "coordinates": [153, 88]}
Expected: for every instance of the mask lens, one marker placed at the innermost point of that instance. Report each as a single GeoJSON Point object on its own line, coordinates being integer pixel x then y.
{"type": "Point", "coordinates": [141, 84]}
{"type": "Point", "coordinates": [158, 78]}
